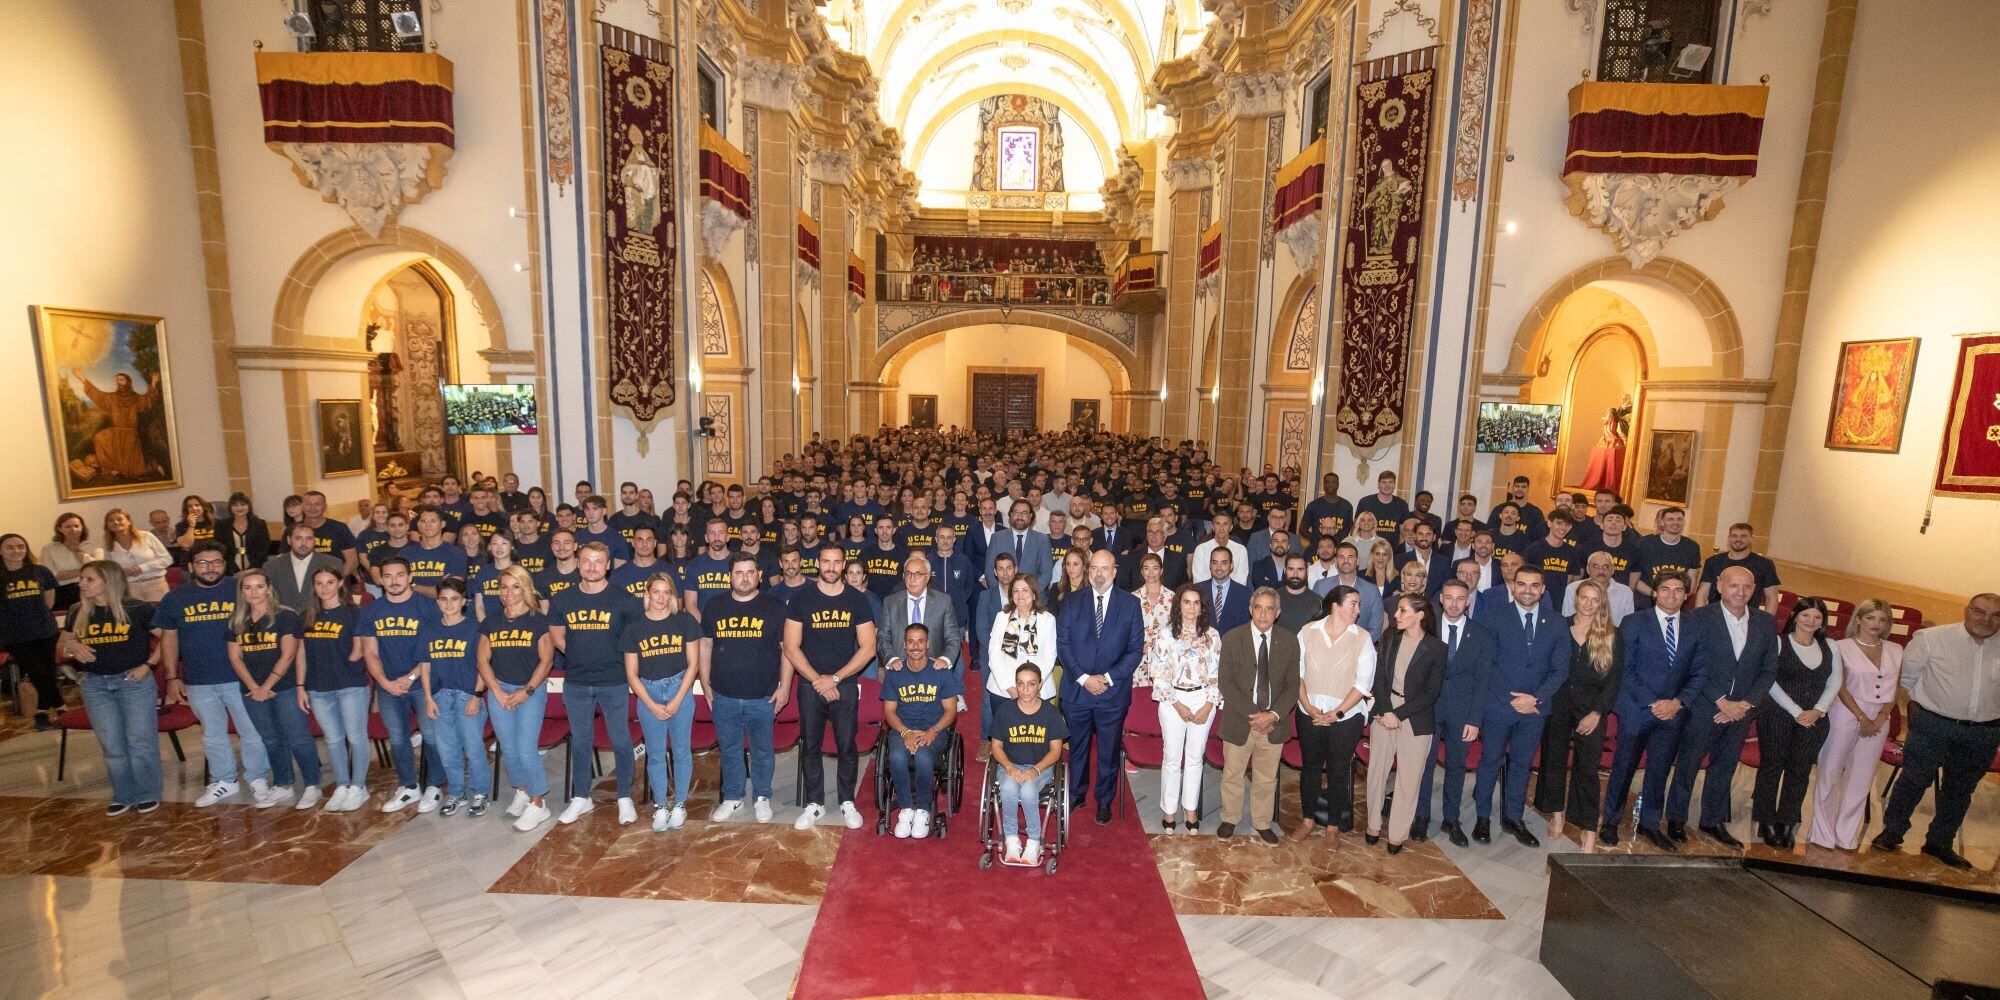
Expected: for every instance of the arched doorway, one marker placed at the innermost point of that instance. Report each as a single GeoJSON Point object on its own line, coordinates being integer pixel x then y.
{"type": "Point", "coordinates": [408, 324]}
{"type": "Point", "coordinates": [1002, 340]}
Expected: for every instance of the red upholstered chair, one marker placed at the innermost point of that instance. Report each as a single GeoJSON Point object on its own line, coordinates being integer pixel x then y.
{"type": "Point", "coordinates": [1753, 755]}
{"type": "Point", "coordinates": [1908, 620]}
{"type": "Point", "coordinates": [702, 734]}
{"type": "Point", "coordinates": [1839, 614]}
{"type": "Point", "coordinates": [785, 728]}
{"type": "Point", "coordinates": [1786, 602]}
{"type": "Point", "coordinates": [867, 731]}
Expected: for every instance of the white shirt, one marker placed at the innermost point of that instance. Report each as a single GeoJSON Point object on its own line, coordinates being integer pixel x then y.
{"type": "Point", "coordinates": [1953, 676]}
{"type": "Point", "coordinates": [1239, 571]}
{"type": "Point", "coordinates": [1445, 625]}
{"type": "Point", "coordinates": [1619, 594]}
{"type": "Point", "coordinates": [1810, 656]}
{"type": "Point", "coordinates": [1018, 642]}
{"type": "Point", "coordinates": [1739, 629]}
{"type": "Point", "coordinates": [1317, 571]}
{"type": "Point", "coordinates": [299, 568]}
{"type": "Point", "coordinates": [1489, 572]}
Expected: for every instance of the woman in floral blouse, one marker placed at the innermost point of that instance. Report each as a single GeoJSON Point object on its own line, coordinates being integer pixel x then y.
{"type": "Point", "coordinates": [1183, 668]}
{"type": "Point", "coordinates": [1155, 601]}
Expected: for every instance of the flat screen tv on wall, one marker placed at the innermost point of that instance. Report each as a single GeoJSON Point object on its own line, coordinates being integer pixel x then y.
{"type": "Point", "coordinates": [1518, 428]}
{"type": "Point", "coordinates": [471, 410]}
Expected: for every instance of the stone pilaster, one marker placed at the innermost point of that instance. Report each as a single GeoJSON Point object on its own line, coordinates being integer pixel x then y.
{"type": "Point", "coordinates": [1252, 100]}
{"type": "Point", "coordinates": [829, 172]}
{"type": "Point", "coordinates": [772, 92]}
{"type": "Point", "coordinates": [1185, 180]}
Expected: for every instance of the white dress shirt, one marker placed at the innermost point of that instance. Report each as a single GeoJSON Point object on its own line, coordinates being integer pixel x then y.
{"type": "Point", "coordinates": [1953, 676]}
{"type": "Point", "coordinates": [1619, 594]}
{"type": "Point", "coordinates": [1239, 571]}
{"type": "Point", "coordinates": [1739, 629]}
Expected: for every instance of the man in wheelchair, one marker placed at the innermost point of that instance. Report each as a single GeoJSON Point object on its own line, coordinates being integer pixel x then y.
{"type": "Point", "coordinates": [920, 703]}
{"type": "Point", "coordinates": [1028, 735]}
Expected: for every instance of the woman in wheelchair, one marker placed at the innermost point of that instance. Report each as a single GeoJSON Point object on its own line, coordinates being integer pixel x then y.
{"type": "Point", "coordinates": [920, 704]}
{"type": "Point", "coordinates": [1028, 735]}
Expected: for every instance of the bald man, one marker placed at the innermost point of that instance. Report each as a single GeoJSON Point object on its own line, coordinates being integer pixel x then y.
{"type": "Point", "coordinates": [1733, 645]}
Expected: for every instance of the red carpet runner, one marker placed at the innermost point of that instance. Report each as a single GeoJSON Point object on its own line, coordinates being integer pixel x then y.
{"type": "Point", "coordinates": [919, 917]}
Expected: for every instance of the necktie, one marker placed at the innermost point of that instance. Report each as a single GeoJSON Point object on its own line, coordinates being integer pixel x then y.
{"type": "Point", "coordinates": [1263, 669]}
{"type": "Point", "coordinates": [1528, 623]}
{"type": "Point", "coordinates": [1100, 615]}
{"type": "Point", "coordinates": [916, 610]}
{"type": "Point", "coordinates": [1220, 590]}
{"type": "Point", "coordinates": [1019, 541]}
{"type": "Point", "coordinates": [1454, 640]}
{"type": "Point", "coordinates": [1673, 639]}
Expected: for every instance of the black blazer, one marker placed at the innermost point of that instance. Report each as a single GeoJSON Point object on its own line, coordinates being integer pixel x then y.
{"type": "Point", "coordinates": [1422, 683]}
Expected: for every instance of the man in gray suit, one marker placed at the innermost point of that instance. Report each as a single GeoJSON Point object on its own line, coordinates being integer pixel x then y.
{"type": "Point", "coordinates": [291, 571]}
{"type": "Point", "coordinates": [918, 603]}
{"type": "Point", "coordinates": [1030, 548]}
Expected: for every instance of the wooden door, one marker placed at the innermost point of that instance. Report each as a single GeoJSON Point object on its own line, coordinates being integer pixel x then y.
{"type": "Point", "coordinates": [1003, 402]}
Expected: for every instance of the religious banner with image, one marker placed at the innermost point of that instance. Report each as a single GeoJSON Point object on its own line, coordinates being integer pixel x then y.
{"type": "Point", "coordinates": [1378, 266]}
{"type": "Point", "coordinates": [1969, 462]}
{"type": "Point", "coordinates": [640, 244]}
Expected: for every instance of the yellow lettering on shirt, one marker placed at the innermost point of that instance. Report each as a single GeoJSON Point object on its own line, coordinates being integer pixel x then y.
{"type": "Point", "coordinates": [588, 620]}
{"type": "Point", "coordinates": [397, 625]}
{"type": "Point", "coordinates": [258, 641]}
{"type": "Point", "coordinates": [1027, 732]}
{"type": "Point", "coordinates": [447, 648]}
{"type": "Point", "coordinates": [511, 638]}
{"type": "Point", "coordinates": [208, 611]}
{"type": "Point", "coordinates": [831, 618]}
{"type": "Point", "coordinates": [917, 692]}
{"type": "Point", "coordinates": [671, 644]}
{"type": "Point", "coordinates": [104, 633]}
{"type": "Point", "coordinates": [326, 628]}
{"type": "Point", "coordinates": [24, 588]}
{"type": "Point", "coordinates": [739, 627]}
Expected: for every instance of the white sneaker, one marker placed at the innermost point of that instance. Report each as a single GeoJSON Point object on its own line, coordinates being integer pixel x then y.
{"type": "Point", "coordinates": [337, 802]}
{"type": "Point", "coordinates": [433, 797]}
{"type": "Point", "coordinates": [810, 818]}
{"type": "Point", "coordinates": [276, 795]}
{"type": "Point", "coordinates": [960, 707]}
{"type": "Point", "coordinates": [904, 820]}
{"type": "Point", "coordinates": [1031, 853]}
{"type": "Point", "coordinates": [217, 792]}
{"type": "Point", "coordinates": [520, 803]}
{"type": "Point", "coordinates": [403, 799]}
{"type": "Point", "coordinates": [660, 819]}
{"type": "Point", "coordinates": [357, 797]}
{"type": "Point", "coordinates": [726, 809]}
{"type": "Point", "coordinates": [921, 826]}
{"type": "Point", "coordinates": [850, 815]}
{"type": "Point", "coordinates": [310, 799]}
{"type": "Point", "coordinates": [575, 810]}
{"type": "Point", "coordinates": [1013, 856]}
{"type": "Point", "coordinates": [532, 817]}
{"type": "Point", "coordinates": [761, 809]}
{"type": "Point", "coordinates": [677, 818]}
{"type": "Point", "coordinates": [259, 789]}
{"type": "Point", "coordinates": [628, 813]}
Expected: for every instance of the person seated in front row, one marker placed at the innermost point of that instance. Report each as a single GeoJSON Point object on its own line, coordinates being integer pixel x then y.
{"type": "Point", "coordinates": [1028, 735]}
{"type": "Point", "coordinates": [920, 704]}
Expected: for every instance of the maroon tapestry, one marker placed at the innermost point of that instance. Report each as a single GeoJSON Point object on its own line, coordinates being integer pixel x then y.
{"type": "Point", "coordinates": [640, 246]}
{"type": "Point", "coordinates": [1378, 267]}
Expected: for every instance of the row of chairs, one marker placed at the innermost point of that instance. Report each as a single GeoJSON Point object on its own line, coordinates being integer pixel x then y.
{"type": "Point", "coordinates": [1840, 614]}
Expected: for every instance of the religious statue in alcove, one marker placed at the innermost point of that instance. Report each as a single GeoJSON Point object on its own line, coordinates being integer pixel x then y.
{"type": "Point", "coordinates": [1607, 459]}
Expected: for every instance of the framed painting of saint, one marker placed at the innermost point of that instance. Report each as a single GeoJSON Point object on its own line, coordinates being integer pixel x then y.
{"type": "Point", "coordinates": [924, 412]}
{"type": "Point", "coordinates": [341, 433]}
{"type": "Point", "coordinates": [109, 399]}
{"type": "Point", "coordinates": [1670, 468]}
{"type": "Point", "coordinates": [1083, 413]}
{"type": "Point", "coordinates": [1871, 395]}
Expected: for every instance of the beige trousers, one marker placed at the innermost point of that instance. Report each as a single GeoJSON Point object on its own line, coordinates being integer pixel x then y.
{"type": "Point", "coordinates": [1406, 751]}
{"type": "Point", "coordinates": [1260, 756]}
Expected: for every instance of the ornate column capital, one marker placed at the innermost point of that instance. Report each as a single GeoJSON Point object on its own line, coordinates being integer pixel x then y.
{"type": "Point", "coordinates": [831, 166]}
{"type": "Point", "coordinates": [1254, 95]}
{"type": "Point", "coordinates": [372, 181]}
{"type": "Point", "coordinates": [769, 83]}
{"type": "Point", "coordinates": [1641, 212]}
{"type": "Point", "coordinates": [1188, 174]}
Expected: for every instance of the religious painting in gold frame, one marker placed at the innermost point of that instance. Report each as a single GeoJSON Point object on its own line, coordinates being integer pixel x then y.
{"type": "Point", "coordinates": [109, 401]}
{"type": "Point", "coordinates": [923, 412]}
{"type": "Point", "coordinates": [1871, 395]}
{"type": "Point", "coordinates": [1670, 467]}
{"type": "Point", "coordinates": [343, 438]}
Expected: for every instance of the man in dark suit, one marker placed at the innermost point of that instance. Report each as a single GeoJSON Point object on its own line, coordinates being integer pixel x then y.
{"type": "Point", "coordinates": [1458, 708]}
{"type": "Point", "coordinates": [1116, 537]}
{"type": "Point", "coordinates": [1735, 648]}
{"type": "Point", "coordinates": [1437, 565]}
{"type": "Point", "coordinates": [1228, 601]}
{"type": "Point", "coordinates": [1173, 565]}
{"type": "Point", "coordinates": [1099, 641]}
{"type": "Point", "coordinates": [1259, 679]}
{"type": "Point", "coordinates": [979, 535]}
{"type": "Point", "coordinates": [1661, 681]}
{"type": "Point", "coordinates": [291, 571]}
{"type": "Point", "coordinates": [1270, 570]}
{"type": "Point", "coordinates": [1030, 548]}
{"type": "Point", "coordinates": [1530, 661]}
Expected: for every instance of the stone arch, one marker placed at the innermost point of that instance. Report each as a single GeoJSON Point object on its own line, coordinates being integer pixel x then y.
{"type": "Point", "coordinates": [715, 281]}
{"type": "Point", "coordinates": [1725, 337]}
{"type": "Point", "coordinates": [1119, 361]}
{"type": "Point", "coordinates": [1304, 291]}
{"type": "Point", "coordinates": [295, 294]}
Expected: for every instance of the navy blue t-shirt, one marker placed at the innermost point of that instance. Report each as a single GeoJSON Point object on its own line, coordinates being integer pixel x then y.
{"type": "Point", "coordinates": [632, 578]}
{"type": "Point", "coordinates": [1024, 738]}
{"type": "Point", "coordinates": [428, 566]}
{"type": "Point", "coordinates": [452, 651]}
{"type": "Point", "coordinates": [920, 695]}
{"type": "Point", "coordinates": [395, 626]}
{"type": "Point", "coordinates": [1763, 569]}
{"type": "Point", "coordinates": [707, 576]}
{"type": "Point", "coordinates": [1679, 558]}
{"type": "Point", "coordinates": [743, 658]}
{"type": "Point", "coordinates": [199, 617]}
{"type": "Point", "coordinates": [662, 646]}
{"type": "Point", "coordinates": [621, 549]}
{"type": "Point", "coordinates": [329, 641]}
{"type": "Point", "coordinates": [119, 648]}
{"type": "Point", "coordinates": [1557, 562]}
{"type": "Point", "coordinates": [332, 538]}
{"type": "Point", "coordinates": [262, 643]}
{"type": "Point", "coordinates": [552, 581]}
{"type": "Point", "coordinates": [24, 603]}
{"type": "Point", "coordinates": [592, 625]}
{"type": "Point", "coordinates": [884, 568]}
{"type": "Point", "coordinates": [514, 645]}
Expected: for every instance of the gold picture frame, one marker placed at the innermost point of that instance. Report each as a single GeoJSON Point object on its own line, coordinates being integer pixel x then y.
{"type": "Point", "coordinates": [109, 401]}
{"type": "Point", "coordinates": [1871, 395]}
{"type": "Point", "coordinates": [1670, 467]}
{"type": "Point", "coordinates": [343, 438]}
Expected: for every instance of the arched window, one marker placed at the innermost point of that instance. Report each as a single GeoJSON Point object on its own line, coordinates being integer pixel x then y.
{"type": "Point", "coordinates": [1299, 348]}
{"type": "Point", "coordinates": [714, 336]}
{"type": "Point", "coordinates": [1659, 41]}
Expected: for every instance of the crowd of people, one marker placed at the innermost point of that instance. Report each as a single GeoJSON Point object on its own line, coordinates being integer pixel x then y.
{"type": "Point", "coordinates": [1026, 273]}
{"type": "Point", "coordinates": [1063, 582]}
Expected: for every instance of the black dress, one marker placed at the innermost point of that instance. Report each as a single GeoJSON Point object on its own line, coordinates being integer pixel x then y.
{"type": "Point", "coordinates": [1788, 750]}
{"type": "Point", "coordinates": [1568, 783]}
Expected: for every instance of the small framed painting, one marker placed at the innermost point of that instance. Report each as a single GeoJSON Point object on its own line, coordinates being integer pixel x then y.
{"type": "Point", "coordinates": [1670, 467]}
{"type": "Point", "coordinates": [923, 411]}
{"type": "Point", "coordinates": [341, 438]}
{"type": "Point", "coordinates": [110, 401]}
{"type": "Point", "coordinates": [1871, 395]}
{"type": "Point", "coordinates": [1083, 413]}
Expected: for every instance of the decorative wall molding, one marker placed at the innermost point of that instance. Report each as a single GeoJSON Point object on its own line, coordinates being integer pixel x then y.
{"type": "Point", "coordinates": [1756, 8]}
{"type": "Point", "coordinates": [1305, 242]}
{"type": "Point", "coordinates": [371, 181]}
{"type": "Point", "coordinates": [752, 151]}
{"type": "Point", "coordinates": [1188, 174]}
{"type": "Point", "coordinates": [1477, 77]}
{"type": "Point", "coordinates": [892, 318]}
{"type": "Point", "coordinates": [1415, 9]}
{"type": "Point", "coordinates": [1588, 8]}
{"type": "Point", "coordinates": [718, 225]}
{"type": "Point", "coordinates": [1274, 150]}
{"type": "Point", "coordinates": [558, 130]}
{"type": "Point", "coordinates": [768, 83]}
{"type": "Point", "coordinates": [500, 360]}
{"type": "Point", "coordinates": [1641, 212]}
{"type": "Point", "coordinates": [831, 166]}
{"type": "Point", "coordinates": [272, 358]}
{"type": "Point", "coordinates": [1254, 95]}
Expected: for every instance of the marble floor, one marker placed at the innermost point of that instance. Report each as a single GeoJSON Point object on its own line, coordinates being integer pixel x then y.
{"type": "Point", "coordinates": [231, 902]}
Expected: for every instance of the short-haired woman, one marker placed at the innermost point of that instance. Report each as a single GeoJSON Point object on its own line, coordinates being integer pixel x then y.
{"type": "Point", "coordinates": [1026, 741]}
{"type": "Point", "coordinates": [109, 635]}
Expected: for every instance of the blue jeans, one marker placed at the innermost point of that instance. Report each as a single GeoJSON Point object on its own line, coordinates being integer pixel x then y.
{"type": "Point", "coordinates": [397, 710]}
{"type": "Point", "coordinates": [215, 705]}
{"type": "Point", "coordinates": [925, 759]}
{"type": "Point", "coordinates": [675, 733]}
{"type": "Point", "coordinates": [1017, 797]}
{"type": "Point", "coordinates": [287, 736]}
{"type": "Point", "coordinates": [583, 701]}
{"type": "Point", "coordinates": [343, 720]}
{"type": "Point", "coordinates": [462, 743]}
{"type": "Point", "coordinates": [125, 715]}
{"type": "Point", "coordinates": [735, 720]}
{"type": "Point", "coordinates": [520, 733]}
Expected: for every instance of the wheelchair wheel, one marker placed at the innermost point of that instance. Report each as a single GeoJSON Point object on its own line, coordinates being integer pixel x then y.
{"type": "Point", "coordinates": [1050, 865]}
{"type": "Point", "coordinates": [955, 774]}
{"type": "Point", "coordinates": [985, 860]}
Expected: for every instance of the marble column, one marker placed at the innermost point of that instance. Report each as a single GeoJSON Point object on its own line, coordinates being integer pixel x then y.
{"type": "Point", "coordinates": [1252, 99]}
{"type": "Point", "coordinates": [773, 92]}
{"type": "Point", "coordinates": [830, 171]}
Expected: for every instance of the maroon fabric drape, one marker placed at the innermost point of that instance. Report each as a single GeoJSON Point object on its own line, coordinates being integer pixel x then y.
{"type": "Point", "coordinates": [1969, 462]}
{"type": "Point", "coordinates": [1379, 252]}
{"type": "Point", "coordinates": [641, 250]}
{"type": "Point", "coordinates": [1620, 141]}
{"type": "Point", "coordinates": [1302, 197]}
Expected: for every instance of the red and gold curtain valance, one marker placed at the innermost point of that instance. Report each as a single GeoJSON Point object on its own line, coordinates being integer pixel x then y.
{"type": "Point", "coordinates": [725, 173]}
{"type": "Point", "coordinates": [1969, 462]}
{"type": "Point", "coordinates": [1135, 274]}
{"type": "Point", "coordinates": [322, 97]}
{"type": "Point", "coordinates": [1301, 187]}
{"type": "Point", "coordinates": [1653, 128]}
{"type": "Point", "coordinates": [857, 275]}
{"type": "Point", "coordinates": [1210, 257]}
{"type": "Point", "coordinates": [808, 241]}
